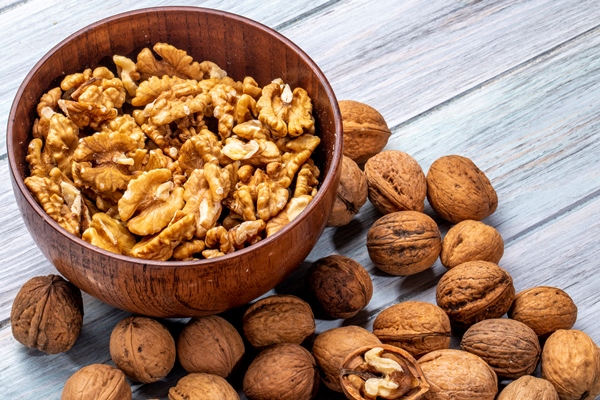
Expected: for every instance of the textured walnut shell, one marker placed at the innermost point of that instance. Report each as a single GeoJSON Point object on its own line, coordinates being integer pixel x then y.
{"type": "Point", "coordinates": [142, 348]}
{"type": "Point", "coordinates": [97, 382]}
{"type": "Point", "coordinates": [341, 285]}
{"type": "Point", "coordinates": [458, 375]}
{"type": "Point", "coordinates": [278, 319]}
{"type": "Point", "coordinates": [396, 182]}
{"type": "Point", "coordinates": [365, 131]}
{"type": "Point", "coordinates": [474, 291]}
{"type": "Point", "coordinates": [571, 362]}
{"type": "Point", "coordinates": [404, 242]}
{"type": "Point", "coordinates": [510, 347]}
{"type": "Point", "coordinates": [544, 309]}
{"type": "Point", "coordinates": [332, 346]}
{"type": "Point", "coordinates": [211, 345]}
{"type": "Point", "coordinates": [351, 194]}
{"type": "Point", "coordinates": [457, 190]}
{"type": "Point", "coordinates": [410, 379]}
{"type": "Point", "coordinates": [282, 371]}
{"type": "Point", "coordinates": [203, 386]}
{"type": "Point", "coordinates": [47, 314]}
{"type": "Point", "coordinates": [417, 327]}
{"type": "Point", "coordinates": [471, 241]}
{"type": "Point", "coordinates": [528, 387]}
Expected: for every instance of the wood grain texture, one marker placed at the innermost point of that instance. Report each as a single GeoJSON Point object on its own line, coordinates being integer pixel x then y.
{"type": "Point", "coordinates": [513, 85]}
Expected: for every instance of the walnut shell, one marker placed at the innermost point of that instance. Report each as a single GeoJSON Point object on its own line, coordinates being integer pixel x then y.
{"type": "Point", "coordinates": [332, 346]}
{"type": "Point", "coordinates": [396, 182]}
{"type": "Point", "coordinates": [571, 362]}
{"type": "Point", "coordinates": [365, 131]}
{"type": "Point", "coordinates": [47, 314]}
{"type": "Point", "coordinates": [351, 194]}
{"type": "Point", "coordinates": [415, 326]}
{"type": "Point", "coordinates": [278, 319]}
{"type": "Point", "coordinates": [457, 190]}
{"type": "Point", "coordinates": [474, 291]}
{"type": "Point", "coordinates": [544, 309]}
{"type": "Point", "coordinates": [529, 387]}
{"type": "Point", "coordinates": [210, 344]}
{"type": "Point", "coordinates": [142, 348]}
{"type": "Point", "coordinates": [341, 285]}
{"type": "Point", "coordinates": [471, 241]}
{"type": "Point", "coordinates": [510, 347]}
{"type": "Point", "coordinates": [282, 371]}
{"type": "Point", "coordinates": [458, 375]}
{"type": "Point", "coordinates": [367, 372]}
{"type": "Point", "coordinates": [404, 242]}
{"type": "Point", "coordinates": [203, 386]}
{"type": "Point", "coordinates": [97, 382]}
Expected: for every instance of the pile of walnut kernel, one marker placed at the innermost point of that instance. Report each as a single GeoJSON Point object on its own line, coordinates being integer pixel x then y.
{"type": "Point", "coordinates": [171, 159]}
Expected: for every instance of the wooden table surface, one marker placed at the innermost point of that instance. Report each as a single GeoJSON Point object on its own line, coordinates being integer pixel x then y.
{"type": "Point", "coordinates": [512, 84]}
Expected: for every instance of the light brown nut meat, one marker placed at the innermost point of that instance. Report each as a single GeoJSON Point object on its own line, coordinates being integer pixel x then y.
{"type": "Point", "coordinates": [510, 347]}
{"type": "Point", "coordinates": [286, 112]}
{"type": "Point", "coordinates": [47, 314]}
{"type": "Point", "coordinates": [161, 246]}
{"type": "Point", "coordinates": [544, 309]}
{"type": "Point", "coordinates": [458, 190]}
{"type": "Point", "coordinates": [458, 375]}
{"type": "Point", "coordinates": [471, 241]}
{"type": "Point", "coordinates": [187, 250]}
{"type": "Point", "coordinates": [127, 71]}
{"type": "Point", "coordinates": [46, 108]}
{"type": "Point", "coordinates": [365, 131]}
{"type": "Point", "coordinates": [210, 345]}
{"type": "Point", "coordinates": [415, 326]}
{"type": "Point", "coordinates": [382, 372]}
{"type": "Point", "coordinates": [142, 348]}
{"type": "Point", "coordinates": [203, 386]}
{"type": "Point", "coordinates": [97, 382]}
{"type": "Point", "coordinates": [62, 142]}
{"type": "Point", "coordinates": [331, 347]}
{"type": "Point", "coordinates": [474, 291]}
{"type": "Point", "coordinates": [109, 234]}
{"type": "Point", "coordinates": [528, 387]}
{"type": "Point", "coordinates": [396, 182]}
{"type": "Point", "coordinates": [341, 285]}
{"type": "Point", "coordinates": [351, 194]}
{"type": "Point", "coordinates": [282, 371]}
{"type": "Point", "coordinates": [571, 362]}
{"type": "Point", "coordinates": [404, 242]}
{"type": "Point", "coordinates": [278, 319]}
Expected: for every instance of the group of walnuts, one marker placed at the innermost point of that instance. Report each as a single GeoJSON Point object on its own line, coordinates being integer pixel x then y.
{"type": "Point", "coordinates": [407, 354]}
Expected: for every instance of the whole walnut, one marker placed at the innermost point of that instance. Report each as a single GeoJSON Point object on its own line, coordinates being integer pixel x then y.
{"type": "Point", "coordinates": [510, 347]}
{"type": "Point", "coordinates": [97, 382]}
{"type": "Point", "coordinates": [528, 387]}
{"type": "Point", "coordinates": [210, 344]}
{"type": "Point", "coordinates": [404, 242]}
{"type": "Point", "coordinates": [200, 386]}
{"type": "Point", "coordinates": [544, 309]}
{"type": "Point", "coordinates": [365, 131]}
{"type": "Point", "coordinates": [47, 314]}
{"type": "Point", "coordinates": [457, 190]}
{"type": "Point", "coordinates": [571, 362]}
{"type": "Point", "coordinates": [471, 241]}
{"type": "Point", "coordinates": [142, 348]}
{"type": "Point", "coordinates": [474, 291]}
{"type": "Point", "coordinates": [278, 319]}
{"type": "Point", "coordinates": [458, 375]}
{"type": "Point", "coordinates": [331, 347]}
{"type": "Point", "coordinates": [396, 182]}
{"type": "Point", "coordinates": [415, 326]}
{"type": "Point", "coordinates": [351, 194]}
{"type": "Point", "coordinates": [341, 285]}
{"type": "Point", "coordinates": [282, 371]}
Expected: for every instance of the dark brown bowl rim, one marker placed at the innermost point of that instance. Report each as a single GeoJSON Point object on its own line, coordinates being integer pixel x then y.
{"type": "Point", "coordinates": [327, 182]}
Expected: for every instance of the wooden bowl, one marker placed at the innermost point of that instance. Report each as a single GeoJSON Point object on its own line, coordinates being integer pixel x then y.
{"type": "Point", "coordinates": [180, 289]}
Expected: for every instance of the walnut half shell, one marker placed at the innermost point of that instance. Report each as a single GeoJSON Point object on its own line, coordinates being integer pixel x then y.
{"type": "Point", "coordinates": [382, 372]}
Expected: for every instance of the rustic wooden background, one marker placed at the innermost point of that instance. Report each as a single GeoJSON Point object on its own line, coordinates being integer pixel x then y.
{"type": "Point", "coordinates": [512, 84]}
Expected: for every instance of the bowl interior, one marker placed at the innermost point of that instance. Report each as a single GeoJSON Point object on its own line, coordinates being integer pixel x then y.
{"type": "Point", "coordinates": [240, 46]}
